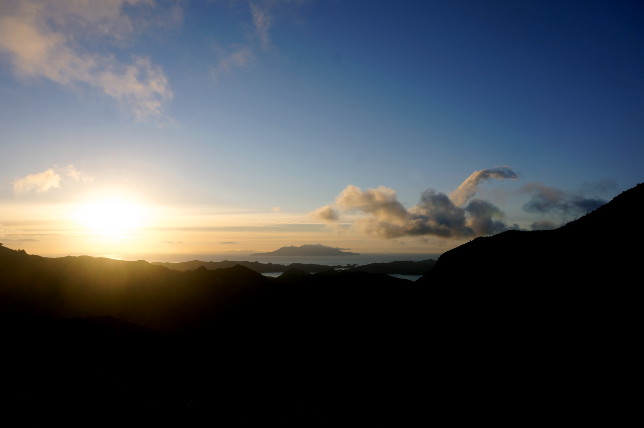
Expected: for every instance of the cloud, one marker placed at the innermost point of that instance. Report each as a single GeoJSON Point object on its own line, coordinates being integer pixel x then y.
{"type": "Point", "coordinates": [382, 202]}
{"type": "Point", "coordinates": [49, 38]}
{"type": "Point", "coordinates": [36, 183]}
{"type": "Point", "coordinates": [262, 22]}
{"type": "Point", "coordinates": [384, 216]}
{"type": "Point", "coordinates": [51, 178]}
{"type": "Point", "coordinates": [545, 199]}
{"type": "Point", "coordinates": [326, 214]}
{"type": "Point", "coordinates": [76, 175]}
{"type": "Point", "coordinates": [470, 186]}
{"type": "Point", "coordinates": [460, 215]}
{"type": "Point", "coordinates": [484, 218]}
{"type": "Point", "coordinates": [238, 56]}
{"type": "Point", "coordinates": [244, 54]}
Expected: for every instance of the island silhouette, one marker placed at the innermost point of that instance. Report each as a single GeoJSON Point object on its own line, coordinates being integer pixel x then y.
{"type": "Point", "coordinates": [310, 250]}
{"type": "Point", "coordinates": [519, 327]}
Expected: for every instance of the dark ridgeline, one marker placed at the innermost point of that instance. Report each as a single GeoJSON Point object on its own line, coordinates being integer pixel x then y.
{"type": "Point", "coordinates": [399, 267]}
{"type": "Point", "coordinates": [514, 328]}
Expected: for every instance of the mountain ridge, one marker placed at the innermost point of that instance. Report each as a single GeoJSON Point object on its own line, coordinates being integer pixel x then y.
{"type": "Point", "coordinates": [495, 328]}
{"type": "Point", "coordinates": [566, 250]}
{"type": "Point", "coordinates": [309, 250]}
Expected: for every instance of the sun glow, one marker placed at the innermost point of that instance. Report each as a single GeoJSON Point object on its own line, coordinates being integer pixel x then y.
{"type": "Point", "coordinates": [113, 218]}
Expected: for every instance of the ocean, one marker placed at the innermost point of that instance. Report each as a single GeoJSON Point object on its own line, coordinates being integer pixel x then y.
{"type": "Point", "coordinates": [359, 259]}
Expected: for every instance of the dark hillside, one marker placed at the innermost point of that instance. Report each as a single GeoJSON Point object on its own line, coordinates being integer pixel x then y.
{"type": "Point", "coordinates": [226, 346]}
{"type": "Point", "coordinates": [552, 310]}
{"type": "Point", "coordinates": [599, 247]}
{"type": "Point", "coordinates": [514, 328]}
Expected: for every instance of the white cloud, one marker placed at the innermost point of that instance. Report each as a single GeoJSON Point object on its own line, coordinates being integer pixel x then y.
{"type": "Point", "coordinates": [37, 183]}
{"type": "Point", "coordinates": [72, 172]}
{"type": "Point", "coordinates": [42, 39]}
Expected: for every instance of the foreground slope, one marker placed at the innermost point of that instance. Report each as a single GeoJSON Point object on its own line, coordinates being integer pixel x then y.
{"type": "Point", "coordinates": [228, 346]}
{"type": "Point", "coordinates": [600, 246]}
{"type": "Point", "coordinates": [519, 327]}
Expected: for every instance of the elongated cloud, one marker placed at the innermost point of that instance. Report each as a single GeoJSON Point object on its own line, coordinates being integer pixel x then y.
{"type": "Point", "coordinates": [246, 52]}
{"type": "Point", "coordinates": [435, 215]}
{"type": "Point", "coordinates": [37, 183]}
{"type": "Point", "coordinates": [470, 186]}
{"type": "Point", "coordinates": [42, 39]}
{"type": "Point", "coordinates": [545, 199]}
{"type": "Point", "coordinates": [262, 22]}
{"type": "Point", "coordinates": [238, 56]}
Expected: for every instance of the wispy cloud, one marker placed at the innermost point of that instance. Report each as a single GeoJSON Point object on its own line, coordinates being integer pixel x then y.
{"type": "Point", "coordinates": [262, 22]}
{"type": "Point", "coordinates": [47, 180]}
{"type": "Point", "coordinates": [231, 58]}
{"type": "Point", "coordinates": [49, 38]}
{"type": "Point", "coordinates": [470, 186]}
{"type": "Point", "coordinates": [381, 213]}
{"type": "Point", "coordinates": [72, 172]}
{"type": "Point", "coordinates": [245, 53]}
{"type": "Point", "coordinates": [545, 199]}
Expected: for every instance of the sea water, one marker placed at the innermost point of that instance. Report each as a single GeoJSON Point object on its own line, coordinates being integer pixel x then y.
{"type": "Point", "coordinates": [343, 261]}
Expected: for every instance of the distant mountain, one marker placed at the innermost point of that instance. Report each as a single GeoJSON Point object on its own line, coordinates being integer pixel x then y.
{"type": "Point", "coordinates": [307, 250]}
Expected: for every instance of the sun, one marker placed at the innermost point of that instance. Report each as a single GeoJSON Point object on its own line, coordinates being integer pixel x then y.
{"type": "Point", "coordinates": [114, 218]}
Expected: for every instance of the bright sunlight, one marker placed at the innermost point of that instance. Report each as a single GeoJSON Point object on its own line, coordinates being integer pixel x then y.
{"type": "Point", "coordinates": [113, 218]}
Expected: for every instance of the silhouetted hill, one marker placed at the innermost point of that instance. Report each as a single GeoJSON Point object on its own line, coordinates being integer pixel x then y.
{"type": "Point", "coordinates": [398, 267]}
{"type": "Point", "coordinates": [554, 306]}
{"type": "Point", "coordinates": [597, 247]}
{"type": "Point", "coordinates": [256, 266]}
{"type": "Point", "coordinates": [401, 267]}
{"type": "Point", "coordinates": [520, 327]}
{"type": "Point", "coordinates": [227, 346]}
{"type": "Point", "coordinates": [307, 250]}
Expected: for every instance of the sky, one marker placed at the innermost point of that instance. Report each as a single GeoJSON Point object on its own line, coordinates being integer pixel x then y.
{"type": "Point", "coordinates": [184, 126]}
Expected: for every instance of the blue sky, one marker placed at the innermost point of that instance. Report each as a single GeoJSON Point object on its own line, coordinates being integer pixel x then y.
{"type": "Point", "coordinates": [248, 125]}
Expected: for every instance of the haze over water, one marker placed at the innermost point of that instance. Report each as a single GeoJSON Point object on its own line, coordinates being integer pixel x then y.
{"type": "Point", "coordinates": [360, 259]}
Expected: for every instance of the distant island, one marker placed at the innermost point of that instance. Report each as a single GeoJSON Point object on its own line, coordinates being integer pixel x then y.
{"type": "Point", "coordinates": [307, 250]}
